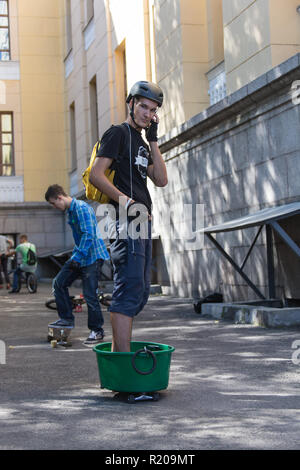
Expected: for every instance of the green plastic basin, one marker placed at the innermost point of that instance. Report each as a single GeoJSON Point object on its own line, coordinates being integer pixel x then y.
{"type": "Point", "coordinates": [141, 370]}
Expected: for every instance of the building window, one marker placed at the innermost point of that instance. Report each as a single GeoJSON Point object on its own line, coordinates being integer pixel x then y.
{"type": "Point", "coordinates": [4, 31]}
{"type": "Point", "coordinates": [89, 34]}
{"type": "Point", "coordinates": [217, 83]}
{"type": "Point", "coordinates": [6, 148]}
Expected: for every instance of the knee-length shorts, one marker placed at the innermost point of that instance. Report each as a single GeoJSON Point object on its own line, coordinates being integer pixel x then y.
{"type": "Point", "coordinates": [131, 260]}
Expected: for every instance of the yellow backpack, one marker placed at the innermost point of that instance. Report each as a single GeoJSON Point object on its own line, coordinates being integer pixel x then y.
{"type": "Point", "coordinates": [91, 191]}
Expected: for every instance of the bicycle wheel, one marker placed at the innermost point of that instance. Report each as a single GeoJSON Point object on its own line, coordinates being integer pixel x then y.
{"type": "Point", "coordinates": [51, 303]}
{"type": "Point", "coordinates": [31, 282]}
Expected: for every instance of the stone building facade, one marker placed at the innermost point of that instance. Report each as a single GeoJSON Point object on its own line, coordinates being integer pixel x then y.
{"type": "Point", "coordinates": [238, 156]}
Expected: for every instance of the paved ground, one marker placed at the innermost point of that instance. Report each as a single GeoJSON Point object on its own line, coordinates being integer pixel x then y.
{"type": "Point", "coordinates": [231, 386]}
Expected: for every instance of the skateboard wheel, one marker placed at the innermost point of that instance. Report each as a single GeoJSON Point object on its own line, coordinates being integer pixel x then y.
{"type": "Point", "coordinates": [131, 398]}
{"type": "Point", "coordinates": [155, 396]}
{"type": "Point", "coordinates": [54, 343]}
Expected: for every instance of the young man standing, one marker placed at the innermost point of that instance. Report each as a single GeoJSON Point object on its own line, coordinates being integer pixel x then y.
{"type": "Point", "coordinates": [23, 250]}
{"type": "Point", "coordinates": [89, 249]}
{"type": "Point", "coordinates": [124, 150]}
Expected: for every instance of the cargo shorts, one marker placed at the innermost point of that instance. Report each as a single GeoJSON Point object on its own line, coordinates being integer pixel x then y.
{"type": "Point", "coordinates": [131, 260]}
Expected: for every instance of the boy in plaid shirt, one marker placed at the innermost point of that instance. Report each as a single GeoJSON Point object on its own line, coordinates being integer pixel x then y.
{"type": "Point", "coordinates": [88, 251]}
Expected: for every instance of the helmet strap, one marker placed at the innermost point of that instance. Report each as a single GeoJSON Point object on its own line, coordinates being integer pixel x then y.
{"type": "Point", "coordinates": [132, 113]}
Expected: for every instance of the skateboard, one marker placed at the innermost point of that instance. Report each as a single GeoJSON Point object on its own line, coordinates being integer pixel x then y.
{"type": "Point", "coordinates": [60, 335]}
{"type": "Point", "coordinates": [137, 397]}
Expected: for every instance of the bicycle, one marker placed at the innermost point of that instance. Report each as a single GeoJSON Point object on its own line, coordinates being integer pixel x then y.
{"type": "Point", "coordinates": [78, 301]}
{"type": "Point", "coordinates": [30, 280]}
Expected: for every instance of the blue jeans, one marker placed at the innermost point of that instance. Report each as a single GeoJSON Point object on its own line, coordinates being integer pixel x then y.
{"type": "Point", "coordinates": [3, 267]}
{"type": "Point", "coordinates": [16, 277]}
{"type": "Point", "coordinates": [89, 276]}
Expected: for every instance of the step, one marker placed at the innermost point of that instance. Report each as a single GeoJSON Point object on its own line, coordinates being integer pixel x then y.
{"type": "Point", "coordinates": [268, 317]}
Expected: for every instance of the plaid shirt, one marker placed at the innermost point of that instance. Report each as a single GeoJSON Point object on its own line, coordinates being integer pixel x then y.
{"type": "Point", "coordinates": [89, 245]}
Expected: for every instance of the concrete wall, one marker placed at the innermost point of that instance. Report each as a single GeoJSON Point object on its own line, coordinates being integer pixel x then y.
{"type": "Point", "coordinates": [43, 224]}
{"type": "Point", "coordinates": [41, 93]}
{"type": "Point", "coordinates": [33, 91]}
{"type": "Point", "coordinates": [188, 43]}
{"type": "Point", "coordinates": [258, 35]}
{"type": "Point", "coordinates": [238, 156]}
{"type": "Point", "coordinates": [113, 26]}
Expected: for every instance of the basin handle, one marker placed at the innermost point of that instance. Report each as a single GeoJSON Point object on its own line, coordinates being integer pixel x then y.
{"type": "Point", "coordinates": [147, 351]}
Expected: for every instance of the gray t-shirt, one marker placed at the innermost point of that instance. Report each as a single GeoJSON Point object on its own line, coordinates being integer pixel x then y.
{"type": "Point", "coordinates": [4, 243]}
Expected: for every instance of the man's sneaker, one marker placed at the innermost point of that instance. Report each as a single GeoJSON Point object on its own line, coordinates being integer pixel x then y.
{"type": "Point", "coordinates": [62, 323]}
{"type": "Point", "coordinates": [94, 337]}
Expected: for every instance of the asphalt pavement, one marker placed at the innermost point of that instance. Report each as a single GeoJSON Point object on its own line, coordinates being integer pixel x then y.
{"type": "Point", "coordinates": [231, 387]}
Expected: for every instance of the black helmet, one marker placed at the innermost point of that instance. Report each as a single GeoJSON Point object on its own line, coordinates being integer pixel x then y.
{"type": "Point", "coordinates": [147, 90]}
